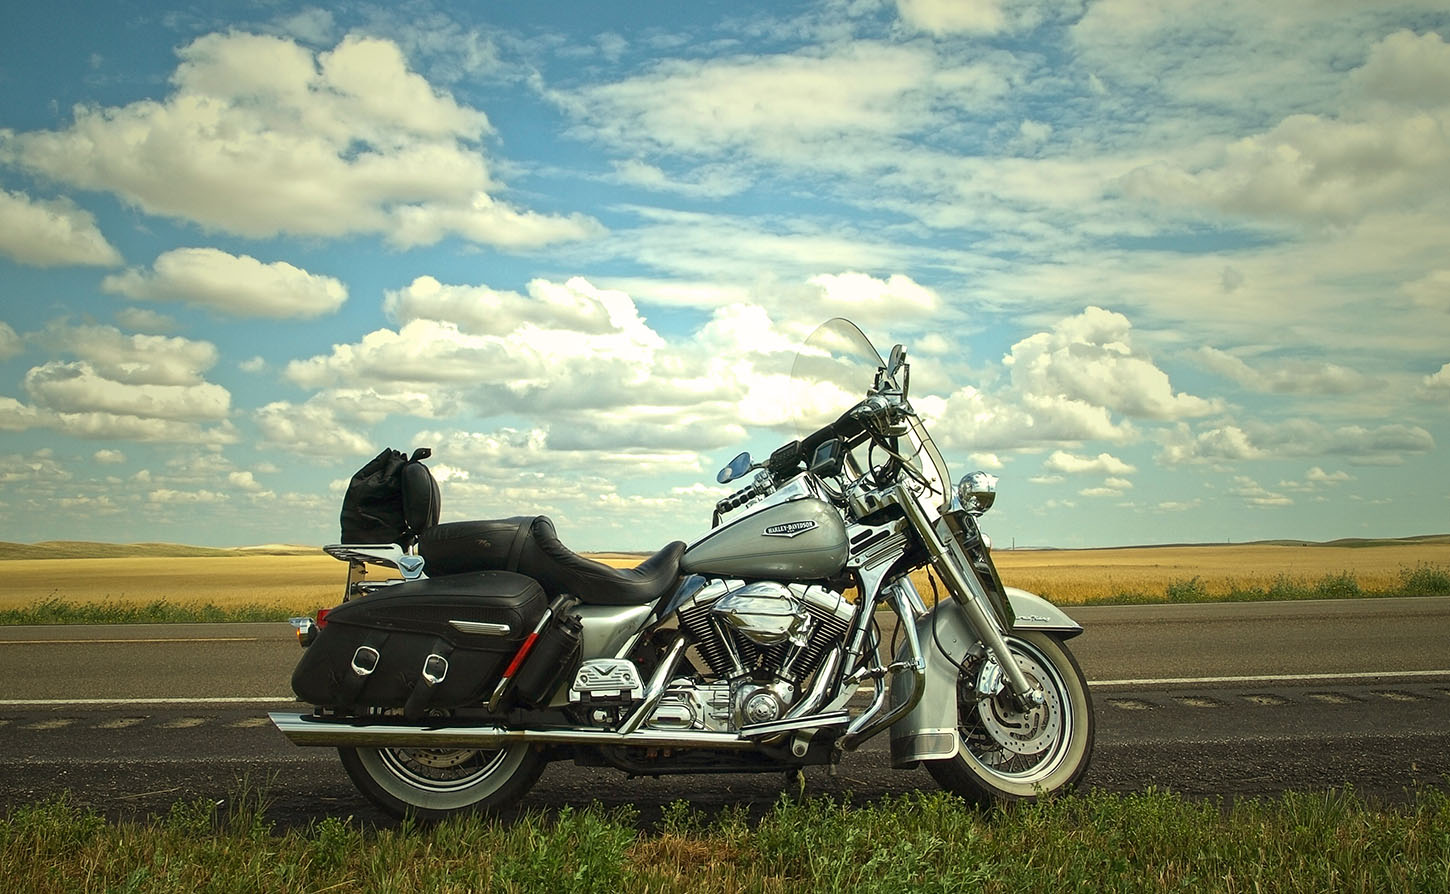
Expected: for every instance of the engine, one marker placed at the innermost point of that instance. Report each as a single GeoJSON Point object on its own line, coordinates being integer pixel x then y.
{"type": "Point", "coordinates": [761, 642]}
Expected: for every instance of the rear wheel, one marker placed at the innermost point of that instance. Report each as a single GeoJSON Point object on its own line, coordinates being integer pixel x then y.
{"type": "Point", "coordinates": [1009, 754]}
{"type": "Point", "coordinates": [430, 783]}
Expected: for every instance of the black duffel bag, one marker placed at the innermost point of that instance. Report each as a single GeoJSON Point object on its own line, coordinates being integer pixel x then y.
{"type": "Point", "coordinates": [392, 499]}
{"type": "Point", "coordinates": [431, 644]}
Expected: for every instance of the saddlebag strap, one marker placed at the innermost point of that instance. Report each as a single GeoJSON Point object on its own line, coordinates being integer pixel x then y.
{"type": "Point", "coordinates": [365, 660]}
{"type": "Point", "coordinates": [433, 672]}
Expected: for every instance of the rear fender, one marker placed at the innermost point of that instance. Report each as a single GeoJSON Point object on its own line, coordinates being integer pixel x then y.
{"type": "Point", "coordinates": [929, 731]}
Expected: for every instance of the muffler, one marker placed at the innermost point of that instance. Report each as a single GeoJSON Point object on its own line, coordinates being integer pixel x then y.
{"type": "Point", "coordinates": [305, 729]}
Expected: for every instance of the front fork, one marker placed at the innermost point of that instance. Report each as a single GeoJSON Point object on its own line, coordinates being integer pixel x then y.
{"type": "Point", "coordinates": [972, 597]}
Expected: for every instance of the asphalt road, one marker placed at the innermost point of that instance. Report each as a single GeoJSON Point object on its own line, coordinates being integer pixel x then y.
{"type": "Point", "coordinates": [1213, 700]}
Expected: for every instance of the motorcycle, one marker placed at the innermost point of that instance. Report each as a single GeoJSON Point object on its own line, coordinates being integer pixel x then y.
{"type": "Point", "coordinates": [450, 688]}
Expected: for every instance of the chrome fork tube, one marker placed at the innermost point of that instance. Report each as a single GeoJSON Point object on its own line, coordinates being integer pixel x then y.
{"type": "Point", "coordinates": [972, 598]}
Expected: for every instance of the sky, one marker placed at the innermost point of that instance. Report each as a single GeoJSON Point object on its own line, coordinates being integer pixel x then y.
{"type": "Point", "coordinates": [1174, 271]}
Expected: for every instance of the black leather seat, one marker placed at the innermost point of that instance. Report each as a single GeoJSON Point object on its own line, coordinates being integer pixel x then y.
{"type": "Point", "coordinates": [529, 545]}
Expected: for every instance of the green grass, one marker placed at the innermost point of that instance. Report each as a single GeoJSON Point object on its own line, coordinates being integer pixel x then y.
{"type": "Point", "coordinates": [60, 611]}
{"type": "Point", "coordinates": [1150, 841]}
{"type": "Point", "coordinates": [1421, 580]}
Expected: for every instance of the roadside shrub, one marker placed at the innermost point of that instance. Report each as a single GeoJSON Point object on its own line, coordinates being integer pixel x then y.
{"type": "Point", "coordinates": [1425, 580]}
{"type": "Point", "coordinates": [1338, 586]}
{"type": "Point", "coordinates": [1190, 590]}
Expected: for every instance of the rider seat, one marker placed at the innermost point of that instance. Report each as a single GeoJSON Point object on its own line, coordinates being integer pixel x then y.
{"type": "Point", "coordinates": [529, 545]}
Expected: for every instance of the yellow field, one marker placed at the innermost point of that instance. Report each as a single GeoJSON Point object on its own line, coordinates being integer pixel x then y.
{"type": "Point", "coordinates": [309, 582]}
{"type": "Point", "coordinates": [294, 581]}
{"type": "Point", "coordinates": [1077, 576]}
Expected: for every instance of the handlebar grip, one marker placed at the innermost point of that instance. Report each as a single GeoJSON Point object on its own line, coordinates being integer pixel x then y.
{"type": "Point", "coordinates": [741, 497]}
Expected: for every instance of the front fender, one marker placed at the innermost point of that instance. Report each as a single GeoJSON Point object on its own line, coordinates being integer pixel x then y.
{"type": "Point", "coordinates": [929, 731]}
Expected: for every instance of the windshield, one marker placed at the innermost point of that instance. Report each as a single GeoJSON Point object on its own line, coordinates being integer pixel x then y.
{"type": "Point", "coordinates": [835, 369]}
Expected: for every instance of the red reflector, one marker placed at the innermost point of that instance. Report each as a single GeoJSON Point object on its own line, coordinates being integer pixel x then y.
{"type": "Point", "coordinates": [519, 658]}
{"type": "Point", "coordinates": [322, 616]}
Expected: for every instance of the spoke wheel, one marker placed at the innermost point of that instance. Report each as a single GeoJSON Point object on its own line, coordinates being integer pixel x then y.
{"type": "Point", "coordinates": [1005, 753]}
{"type": "Point", "coordinates": [430, 783]}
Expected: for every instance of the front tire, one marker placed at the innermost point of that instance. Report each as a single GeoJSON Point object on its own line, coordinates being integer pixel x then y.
{"type": "Point", "coordinates": [1005, 754]}
{"type": "Point", "coordinates": [431, 783]}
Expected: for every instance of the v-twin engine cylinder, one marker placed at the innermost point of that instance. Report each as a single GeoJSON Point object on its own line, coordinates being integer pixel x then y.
{"type": "Point", "coordinates": [769, 632]}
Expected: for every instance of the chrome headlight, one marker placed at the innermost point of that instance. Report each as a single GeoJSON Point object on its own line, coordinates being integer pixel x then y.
{"type": "Point", "coordinates": [977, 491]}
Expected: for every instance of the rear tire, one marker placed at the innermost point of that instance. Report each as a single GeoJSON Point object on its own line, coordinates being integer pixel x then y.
{"type": "Point", "coordinates": [431, 783]}
{"type": "Point", "coordinates": [1009, 755]}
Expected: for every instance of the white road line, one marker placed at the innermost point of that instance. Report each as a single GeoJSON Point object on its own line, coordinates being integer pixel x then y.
{"type": "Point", "coordinates": [86, 642]}
{"type": "Point", "coordinates": [1270, 678]}
{"type": "Point", "coordinates": [220, 700]}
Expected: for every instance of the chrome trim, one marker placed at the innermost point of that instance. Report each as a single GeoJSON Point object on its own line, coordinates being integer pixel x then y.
{"type": "Point", "coordinates": [872, 721]}
{"type": "Point", "coordinates": [367, 666]}
{"type": "Point", "coordinates": [663, 674]}
{"type": "Point", "coordinates": [435, 669]}
{"type": "Point", "coordinates": [791, 724]}
{"type": "Point", "coordinates": [302, 729]}
{"type": "Point", "coordinates": [483, 628]}
{"type": "Point", "coordinates": [389, 555]}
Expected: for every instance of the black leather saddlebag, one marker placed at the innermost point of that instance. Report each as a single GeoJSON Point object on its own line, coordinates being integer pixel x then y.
{"type": "Point", "coordinates": [437, 643]}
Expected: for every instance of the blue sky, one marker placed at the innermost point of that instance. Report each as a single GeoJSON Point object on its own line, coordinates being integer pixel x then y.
{"type": "Point", "coordinates": [1175, 271]}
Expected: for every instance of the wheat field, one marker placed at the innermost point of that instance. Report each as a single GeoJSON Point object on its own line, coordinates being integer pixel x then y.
{"type": "Point", "coordinates": [306, 582]}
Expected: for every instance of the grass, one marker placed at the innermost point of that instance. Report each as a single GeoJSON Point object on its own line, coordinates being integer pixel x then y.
{"type": "Point", "coordinates": [1149, 841]}
{"type": "Point", "coordinates": [245, 585]}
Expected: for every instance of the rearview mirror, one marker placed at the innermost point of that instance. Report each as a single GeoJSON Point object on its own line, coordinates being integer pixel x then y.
{"type": "Point", "coordinates": [738, 466]}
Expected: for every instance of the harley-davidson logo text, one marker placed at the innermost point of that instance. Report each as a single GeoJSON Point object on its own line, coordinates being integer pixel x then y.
{"type": "Point", "coordinates": [790, 529]}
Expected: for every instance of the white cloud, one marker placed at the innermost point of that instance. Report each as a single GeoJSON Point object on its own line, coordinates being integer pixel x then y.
{"type": "Point", "coordinates": [310, 429]}
{"type": "Point", "coordinates": [16, 416]}
{"type": "Point", "coordinates": [169, 496]}
{"type": "Point", "coordinates": [77, 388]}
{"type": "Point", "coordinates": [34, 468]}
{"type": "Point", "coordinates": [50, 233]}
{"type": "Point", "coordinates": [141, 319]}
{"type": "Point", "coordinates": [1090, 358]}
{"type": "Point", "coordinates": [1102, 464]}
{"type": "Point", "coordinates": [1431, 291]}
{"type": "Point", "coordinates": [867, 299]}
{"type": "Point", "coordinates": [1319, 476]}
{"type": "Point", "coordinates": [1317, 168]}
{"type": "Point", "coordinates": [10, 343]}
{"type": "Point", "coordinates": [705, 181]}
{"type": "Point", "coordinates": [107, 426]}
{"type": "Point", "coordinates": [109, 457]}
{"type": "Point", "coordinates": [950, 16]}
{"type": "Point", "coordinates": [260, 136]}
{"type": "Point", "coordinates": [812, 107]}
{"type": "Point", "coordinates": [124, 387]}
{"type": "Point", "coordinates": [1252, 440]}
{"type": "Point", "coordinates": [237, 285]}
{"type": "Point", "coordinates": [480, 310]}
{"type": "Point", "coordinates": [244, 481]}
{"type": "Point", "coordinates": [135, 359]}
{"type": "Point", "coordinates": [1287, 376]}
{"type": "Point", "coordinates": [1256, 495]}
{"type": "Point", "coordinates": [1437, 383]}
{"type": "Point", "coordinates": [1407, 69]}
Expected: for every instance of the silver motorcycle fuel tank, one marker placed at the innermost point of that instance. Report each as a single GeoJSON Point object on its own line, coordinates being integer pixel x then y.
{"type": "Point", "coordinates": [800, 540]}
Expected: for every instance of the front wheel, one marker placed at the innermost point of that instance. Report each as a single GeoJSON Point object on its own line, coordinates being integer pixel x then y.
{"type": "Point", "coordinates": [1008, 754]}
{"type": "Point", "coordinates": [431, 783]}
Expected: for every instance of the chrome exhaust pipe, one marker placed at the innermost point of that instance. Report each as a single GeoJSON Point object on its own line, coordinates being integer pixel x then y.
{"type": "Point", "coordinates": [304, 729]}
